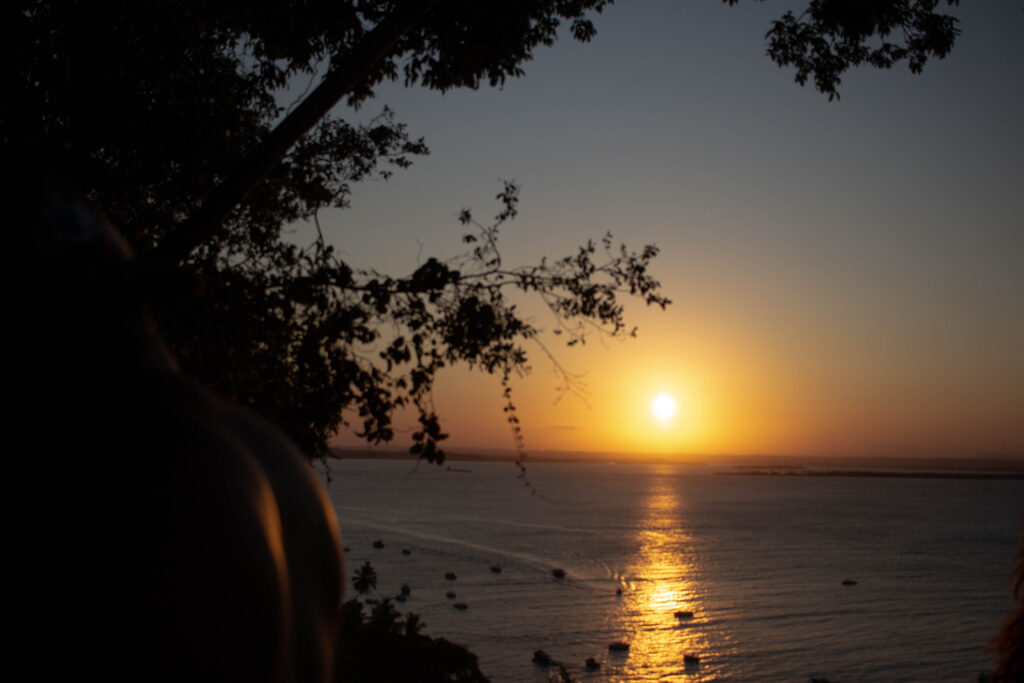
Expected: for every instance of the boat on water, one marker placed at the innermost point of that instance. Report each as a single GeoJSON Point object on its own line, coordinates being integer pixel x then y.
{"type": "Point", "coordinates": [558, 573]}
{"type": "Point", "coordinates": [618, 646]}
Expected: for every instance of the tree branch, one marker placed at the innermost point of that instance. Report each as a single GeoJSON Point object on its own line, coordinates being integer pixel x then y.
{"type": "Point", "coordinates": [336, 84]}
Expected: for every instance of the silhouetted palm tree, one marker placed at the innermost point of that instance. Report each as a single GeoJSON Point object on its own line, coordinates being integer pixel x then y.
{"type": "Point", "coordinates": [365, 579]}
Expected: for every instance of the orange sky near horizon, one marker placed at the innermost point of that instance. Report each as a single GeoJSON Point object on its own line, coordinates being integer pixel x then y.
{"type": "Point", "coordinates": [733, 398]}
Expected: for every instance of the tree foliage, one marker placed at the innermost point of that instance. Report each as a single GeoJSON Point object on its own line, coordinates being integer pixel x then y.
{"type": "Point", "coordinates": [364, 579]}
{"type": "Point", "coordinates": [171, 117]}
{"type": "Point", "coordinates": [385, 645]}
{"type": "Point", "coordinates": [830, 36]}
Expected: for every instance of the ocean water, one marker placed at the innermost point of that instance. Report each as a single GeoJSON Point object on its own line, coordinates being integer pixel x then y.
{"type": "Point", "coordinates": [759, 561]}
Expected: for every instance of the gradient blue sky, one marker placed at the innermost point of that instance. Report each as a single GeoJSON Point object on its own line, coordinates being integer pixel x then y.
{"type": "Point", "coordinates": [848, 276]}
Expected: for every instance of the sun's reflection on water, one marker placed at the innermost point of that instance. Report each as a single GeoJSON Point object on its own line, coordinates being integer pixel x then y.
{"type": "Point", "coordinates": [661, 591]}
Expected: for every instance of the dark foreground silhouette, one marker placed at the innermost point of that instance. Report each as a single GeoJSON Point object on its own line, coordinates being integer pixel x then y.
{"type": "Point", "coordinates": [186, 539]}
{"type": "Point", "coordinates": [1009, 644]}
{"type": "Point", "coordinates": [384, 646]}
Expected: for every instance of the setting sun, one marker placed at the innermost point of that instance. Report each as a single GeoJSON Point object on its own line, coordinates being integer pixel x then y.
{"type": "Point", "coordinates": [663, 407]}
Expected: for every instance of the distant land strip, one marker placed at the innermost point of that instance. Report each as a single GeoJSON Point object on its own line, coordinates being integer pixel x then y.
{"type": "Point", "coordinates": [921, 474]}
{"type": "Point", "coordinates": [984, 464]}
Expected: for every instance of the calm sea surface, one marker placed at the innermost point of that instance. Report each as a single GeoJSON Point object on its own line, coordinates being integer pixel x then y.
{"type": "Point", "coordinates": [759, 561]}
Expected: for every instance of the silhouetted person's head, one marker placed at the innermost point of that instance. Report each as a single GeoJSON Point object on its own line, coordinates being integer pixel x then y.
{"type": "Point", "coordinates": [195, 541]}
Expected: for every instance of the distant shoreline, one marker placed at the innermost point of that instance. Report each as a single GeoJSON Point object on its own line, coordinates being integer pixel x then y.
{"type": "Point", "coordinates": [897, 474]}
{"type": "Point", "coordinates": [753, 464]}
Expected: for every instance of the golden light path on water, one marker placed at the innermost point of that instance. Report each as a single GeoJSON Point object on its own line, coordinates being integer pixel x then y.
{"type": "Point", "coordinates": [663, 581]}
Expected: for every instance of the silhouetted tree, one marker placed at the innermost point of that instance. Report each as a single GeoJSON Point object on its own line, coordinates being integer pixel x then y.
{"type": "Point", "coordinates": [386, 647]}
{"type": "Point", "coordinates": [830, 36]}
{"type": "Point", "coordinates": [385, 617]}
{"type": "Point", "coordinates": [169, 116]}
{"type": "Point", "coordinates": [365, 579]}
{"type": "Point", "coordinates": [413, 624]}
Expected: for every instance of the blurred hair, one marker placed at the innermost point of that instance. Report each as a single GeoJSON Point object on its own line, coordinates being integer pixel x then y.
{"type": "Point", "coordinates": [1009, 644]}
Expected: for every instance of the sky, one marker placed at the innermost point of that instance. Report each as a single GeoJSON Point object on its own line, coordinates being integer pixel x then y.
{"type": "Point", "coordinates": [847, 277]}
